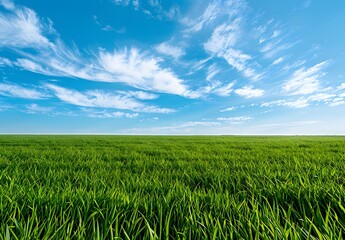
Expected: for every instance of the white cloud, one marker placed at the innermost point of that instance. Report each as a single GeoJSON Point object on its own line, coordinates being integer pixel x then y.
{"type": "Point", "coordinates": [135, 4]}
{"type": "Point", "coordinates": [13, 90]}
{"type": "Point", "coordinates": [169, 50]}
{"type": "Point", "coordinates": [154, 8]}
{"type": "Point", "coordinates": [198, 65]}
{"type": "Point", "coordinates": [321, 97]}
{"type": "Point", "coordinates": [301, 102]}
{"type": "Point", "coordinates": [228, 109]}
{"type": "Point", "coordinates": [340, 87]}
{"type": "Point", "coordinates": [5, 107]}
{"type": "Point", "coordinates": [272, 49]}
{"type": "Point", "coordinates": [194, 124]}
{"type": "Point", "coordinates": [222, 43]}
{"type": "Point", "coordinates": [273, 52]}
{"type": "Point", "coordinates": [154, 3]}
{"type": "Point", "coordinates": [102, 99]}
{"type": "Point", "coordinates": [130, 67]}
{"type": "Point", "coordinates": [143, 72]}
{"type": "Point", "coordinates": [122, 2]}
{"type": "Point", "coordinates": [8, 4]}
{"type": "Point", "coordinates": [275, 33]}
{"type": "Point", "coordinates": [211, 12]}
{"type": "Point", "coordinates": [223, 37]}
{"type": "Point", "coordinates": [249, 92]}
{"type": "Point", "coordinates": [106, 114]}
{"type": "Point", "coordinates": [295, 64]}
{"type": "Point", "coordinates": [32, 66]}
{"type": "Point", "coordinates": [140, 95]}
{"type": "Point", "coordinates": [278, 60]}
{"type": "Point", "coordinates": [34, 108]}
{"type": "Point", "coordinates": [213, 87]}
{"type": "Point", "coordinates": [5, 62]}
{"type": "Point", "coordinates": [107, 27]}
{"type": "Point", "coordinates": [305, 81]}
{"type": "Point", "coordinates": [337, 102]}
{"type": "Point", "coordinates": [239, 61]}
{"type": "Point", "coordinates": [212, 71]}
{"type": "Point", "coordinates": [21, 28]}
{"type": "Point", "coordinates": [235, 120]}
{"type": "Point", "coordinates": [224, 90]}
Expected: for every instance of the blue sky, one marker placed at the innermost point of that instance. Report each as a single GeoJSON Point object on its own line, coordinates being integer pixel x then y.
{"type": "Point", "coordinates": [172, 67]}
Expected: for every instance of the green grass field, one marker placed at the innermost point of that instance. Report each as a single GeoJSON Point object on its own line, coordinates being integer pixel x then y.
{"type": "Point", "coordinates": [148, 187]}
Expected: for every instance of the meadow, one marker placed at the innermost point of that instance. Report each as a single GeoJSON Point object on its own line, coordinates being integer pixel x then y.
{"type": "Point", "coordinates": [172, 187]}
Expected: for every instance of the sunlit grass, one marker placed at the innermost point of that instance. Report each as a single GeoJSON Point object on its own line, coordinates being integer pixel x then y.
{"type": "Point", "coordinates": [140, 187]}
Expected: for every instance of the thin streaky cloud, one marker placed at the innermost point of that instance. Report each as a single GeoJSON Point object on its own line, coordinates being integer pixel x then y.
{"type": "Point", "coordinates": [17, 91]}
{"type": "Point", "coordinates": [305, 80]}
{"type": "Point", "coordinates": [167, 49]}
{"type": "Point", "coordinates": [102, 99]}
{"type": "Point", "coordinates": [250, 92]}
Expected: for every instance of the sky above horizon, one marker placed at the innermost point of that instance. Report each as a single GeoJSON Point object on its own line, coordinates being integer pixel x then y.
{"type": "Point", "coordinates": [172, 67]}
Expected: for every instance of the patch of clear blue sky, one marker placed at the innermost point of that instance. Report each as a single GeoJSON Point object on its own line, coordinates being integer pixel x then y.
{"type": "Point", "coordinates": [172, 67]}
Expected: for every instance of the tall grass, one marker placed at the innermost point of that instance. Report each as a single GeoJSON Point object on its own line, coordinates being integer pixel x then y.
{"type": "Point", "coordinates": [140, 187]}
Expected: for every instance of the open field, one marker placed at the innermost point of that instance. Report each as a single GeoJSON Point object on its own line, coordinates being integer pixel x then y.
{"type": "Point", "coordinates": [146, 187]}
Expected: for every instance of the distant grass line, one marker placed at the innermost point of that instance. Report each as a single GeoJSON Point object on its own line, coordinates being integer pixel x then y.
{"type": "Point", "coordinates": [172, 187]}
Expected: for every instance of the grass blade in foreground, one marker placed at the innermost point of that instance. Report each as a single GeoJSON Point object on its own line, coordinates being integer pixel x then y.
{"type": "Point", "coordinates": [108, 187]}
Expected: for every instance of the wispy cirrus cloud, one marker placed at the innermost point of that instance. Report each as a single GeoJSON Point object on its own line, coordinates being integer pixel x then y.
{"type": "Point", "coordinates": [103, 99]}
{"type": "Point", "coordinates": [92, 113]}
{"type": "Point", "coordinates": [278, 61]}
{"type": "Point", "coordinates": [299, 103]}
{"type": "Point", "coordinates": [37, 109]}
{"type": "Point", "coordinates": [224, 90]}
{"type": "Point", "coordinates": [217, 87]}
{"type": "Point", "coordinates": [107, 27]}
{"type": "Point", "coordinates": [152, 8]}
{"type": "Point", "coordinates": [5, 106]}
{"type": "Point", "coordinates": [223, 37]}
{"type": "Point", "coordinates": [229, 109]}
{"type": "Point", "coordinates": [337, 102]}
{"type": "Point", "coordinates": [235, 120]}
{"type": "Point", "coordinates": [305, 80]}
{"type": "Point", "coordinates": [167, 49]}
{"type": "Point", "coordinates": [222, 43]}
{"type": "Point", "coordinates": [134, 3]}
{"type": "Point", "coordinates": [7, 4]}
{"type": "Point", "coordinates": [143, 72]}
{"type": "Point", "coordinates": [210, 14]}
{"type": "Point", "coordinates": [14, 90]}
{"type": "Point", "coordinates": [303, 102]}
{"type": "Point", "coordinates": [21, 28]}
{"type": "Point", "coordinates": [214, 11]}
{"type": "Point", "coordinates": [239, 61]}
{"type": "Point", "coordinates": [249, 92]}
{"type": "Point", "coordinates": [341, 86]}
{"type": "Point", "coordinates": [139, 95]}
{"type": "Point", "coordinates": [273, 39]}
{"type": "Point", "coordinates": [5, 62]}
{"type": "Point", "coordinates": [213, 87]}
{"type": "Point", "coordinates": [212, 71]}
